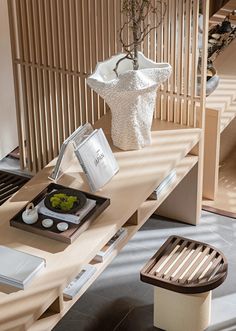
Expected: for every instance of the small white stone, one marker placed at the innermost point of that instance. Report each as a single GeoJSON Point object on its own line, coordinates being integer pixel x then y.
{"type": "Point", "coordinates": [212, 41]}
{"type": "Point", "coordinates": [47, 222]}
{"type": "Point", "coordinates": [62, 226]}
{"type": "Point", "coordinates": [216, 36]}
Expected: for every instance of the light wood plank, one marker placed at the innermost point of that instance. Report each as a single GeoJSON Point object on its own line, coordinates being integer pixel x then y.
{"type": "Point", "coordinates": [144, 211]}
{"type": "Point", "coordinates": [63, 262]}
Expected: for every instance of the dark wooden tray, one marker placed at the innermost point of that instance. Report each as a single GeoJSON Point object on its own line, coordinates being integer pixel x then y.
{"type": "Point", "coordinates": [73, 231]}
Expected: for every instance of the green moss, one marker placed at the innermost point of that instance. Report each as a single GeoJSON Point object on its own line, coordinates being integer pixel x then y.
{"type": "Point", "coordinates": [63, 201]}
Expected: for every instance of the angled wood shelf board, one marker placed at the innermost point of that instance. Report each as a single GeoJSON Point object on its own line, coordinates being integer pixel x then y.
{"type": "Point", "coordinates": [170, 149]}
{"type": "Point", "coordinates": [220, 139]}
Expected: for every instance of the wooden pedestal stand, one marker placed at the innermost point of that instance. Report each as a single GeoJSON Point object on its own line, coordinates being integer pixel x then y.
{"type": "Point", "coordinates": [183, 273]}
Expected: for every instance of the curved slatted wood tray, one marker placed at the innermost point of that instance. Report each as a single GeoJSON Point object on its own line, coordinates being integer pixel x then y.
{"type": "Point", "coordinates": [186, 266]}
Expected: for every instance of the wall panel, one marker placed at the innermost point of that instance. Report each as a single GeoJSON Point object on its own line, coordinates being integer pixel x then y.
{"type": "Point", "coordinates": [8, 118]}
{"type": "Point", "coordinates": [56, 45]}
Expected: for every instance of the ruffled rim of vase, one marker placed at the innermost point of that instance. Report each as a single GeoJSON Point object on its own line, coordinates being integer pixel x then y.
{"type": "Point", "coordinates": [104, 74]}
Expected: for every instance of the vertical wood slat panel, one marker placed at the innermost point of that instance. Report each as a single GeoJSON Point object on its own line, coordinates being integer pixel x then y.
{"type": "Point", "coordinates": [28, 157]}
{"type": "Point", "coordinates": [106, 41]}
{"type": "Point", "coordinates": [44, 112]}
{"type": "Point", "coordinates": [201, 109]}
{"type": "Point", "coordinates": [58, 44]}
{"type": "Point", "coordinates": [187, 50]}
{"type": "Point", "coordinates": [56, 60]}
{"type": "Point", "coordinates": [70, 94]}
{"type": "Point", "coordinates": [86, 45]}
{"type": "Point", "coordinates": [21, 136]}
{"type": "Point", "coordinates": [35, 96]}
{"type": "Point", "coordinates": [174, 53]}
{"type": "Point", "coordinates": [99, 48]}
{"type": "Point", "coordinates": [180, 49]}
{"type": "Point", "coordinates": [39, 83]}
{"type": "Point", "coordinates": [195, 57]}
{"type": "Point", "coordinates": [81, 62]}
{"type": "Point", "coordinates": [63, 77]}
{"type": "Point", "coordinates": [182, 87]}
{"type": "Point", "coordinates": [189, 27]}
{"type": "Point", "coordinates": [45, 60]}
{"type": "Point", "coordinates": [51, 52]}
{"type": "Point", "coordinates": [172, 61]}
{"type": "Point", "coordinates": [166, 23]}
{"type": "Point", "coordinates": [27, 56]}
{"type": "Point", "coordinates": [94, 58]}
{"type": "Point", "coordinates": [179, 62]}
{"type": "Point", "coordinates": [159, 58]}
{"type": "Point", "coordinates": [168, 59]}
{"type": "Point", "coordinates": [74, 38]}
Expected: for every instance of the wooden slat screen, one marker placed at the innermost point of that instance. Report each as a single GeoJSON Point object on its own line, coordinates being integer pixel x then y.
{"type": "Point", "coordinates": [56, 45]}
{"type": "Point", "coordinates": [178, 37]}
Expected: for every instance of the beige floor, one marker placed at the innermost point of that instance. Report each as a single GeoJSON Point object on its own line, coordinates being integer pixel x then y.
{"type": "Point", "coordinates": [119, 301]}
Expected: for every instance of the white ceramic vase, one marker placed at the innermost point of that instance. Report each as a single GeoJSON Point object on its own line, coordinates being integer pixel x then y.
{"type": "Point", "coordinates": [131, 97]}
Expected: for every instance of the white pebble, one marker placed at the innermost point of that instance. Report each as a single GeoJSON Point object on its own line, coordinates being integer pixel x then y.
{"type": "Point", "coordinates": [47, 222]}
{"type": "Point", "coordinates": [212, 41]}
{"type": "Point", "coordinates": [62, 226]}
{"type": "Point", "coordinates": [216, 36]}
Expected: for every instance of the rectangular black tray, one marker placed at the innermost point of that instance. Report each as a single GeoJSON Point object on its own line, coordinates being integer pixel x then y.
{"type": "Point", "coordinates": [73, 231]}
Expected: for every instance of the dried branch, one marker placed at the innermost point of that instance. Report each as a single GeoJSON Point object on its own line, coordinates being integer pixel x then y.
{"type": "Point", "coordinates": [127, 56]}
{"type": "Point", "coordinates": [137, 13]}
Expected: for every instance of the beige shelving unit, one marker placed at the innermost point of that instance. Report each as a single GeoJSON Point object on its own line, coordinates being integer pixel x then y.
{"type": "Point", "coordinates": [41, 305]}
{"type": "Point", "coordinates": [177, 138]}
{"type": "Point", "coordinates": [220, 138]}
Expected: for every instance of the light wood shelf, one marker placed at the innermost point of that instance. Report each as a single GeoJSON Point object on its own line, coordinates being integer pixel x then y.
{"type": "Point", "coordinates": [140, 173]}
{"type": "Point", "coordinates": [147, 208]}
{"type": "Point", "coordinates": [228, 116]}
{"type": "Point", "coordinates": [223, 99]}
{"type": "Point", "coordinates": [220, 117]}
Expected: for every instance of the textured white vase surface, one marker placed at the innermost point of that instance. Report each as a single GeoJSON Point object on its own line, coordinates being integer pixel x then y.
{"type": "Point", "coordinates": [131, 97]}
